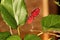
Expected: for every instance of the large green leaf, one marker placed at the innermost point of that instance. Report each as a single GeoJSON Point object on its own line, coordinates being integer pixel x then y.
{"type": "Point", "coordinates": [4, 35]}
{"type": "Point", "coordinates": [14, 37]}
{"type": "Point", "coordinates": [8, 18]}
{"type": "Point", "coordinates": [17, 9]}
{"type": "Point", "coordinates": [32, 37]}
{"type": "Point", "coordinates": [55, 27]}
{"type": "Point", "coordinates": [51, 22]}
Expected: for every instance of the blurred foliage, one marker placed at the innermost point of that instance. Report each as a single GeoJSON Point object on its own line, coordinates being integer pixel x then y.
{"type": "Point", "coordinates": [51, 22]}
{"type": "Point", "coordinates": [4, 35]}
{"type": "Point", "coordinates": [14, 37]}
{"type": "Point", "coordinates": [32, 37]}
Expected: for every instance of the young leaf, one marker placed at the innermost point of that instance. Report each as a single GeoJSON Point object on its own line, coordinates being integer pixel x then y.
{"type": "Point", "coordinates": [50, 22]}
{"type": "Point", "coordinates": [14, 37]}
{"type": "Point", "coordinates": [31, 37]}
{"type": "Point", "coordinates": [4, 35]}
{"type": "Point", "coordinates": [23, 14]}
{"type": "Point", "coordinates": [17, 10]}
{"type": "Point", "coordinates": [8, 18]}
{"type": "Point", "coordinates": [20, 11]}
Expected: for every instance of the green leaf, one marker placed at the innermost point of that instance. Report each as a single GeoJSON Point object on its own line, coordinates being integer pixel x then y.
{"type": "Point", "coordinates": [17, 9]}
{"type": "Point", "coordinates": [55, 27]}
{"type": "Point", "coordinates": [23, 14]}
{"type": "Point", "coordinates": [51, 22]}
{"type": "Point", "coordinates": [31, 37]}
{"type": "Point", "coordinates": [20, 11]}
{"type": "Point", "coordinates": [0, 8]}
{"type": "Point", "coordinates": [14, 37]}
{"type": "Point", "coordinates": [8, 6]}
{"type": "Point", "coordinates": [8, 18]}
{"type": "Point", "coordinates": [4, 35]}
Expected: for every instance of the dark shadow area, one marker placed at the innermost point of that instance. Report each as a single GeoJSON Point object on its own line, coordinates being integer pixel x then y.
{"type": "Point", "coordinates": [58, 10]}
{"type": "Point", "coordinates": [53, 8]}
{"type": "Point", "coordinates": [58, 38]}
{"type": "Point", "coordinates": [0, 1]}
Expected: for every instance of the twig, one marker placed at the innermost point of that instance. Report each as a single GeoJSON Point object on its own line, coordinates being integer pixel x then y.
{"type": "Point", "coordinates": [57, 3]}
{"type": "Point", "coordinates": [54, 34]}
{"type": "Point", "coordinates": [39, 34]}
{"type": "Point", "coordinates": [18, 31]}
{"type": "Point", "coordinates": [11, 31]}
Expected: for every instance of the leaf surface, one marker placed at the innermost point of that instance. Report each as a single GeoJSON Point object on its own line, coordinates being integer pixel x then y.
{"type": "Point", "coordinates": [4, 35]}
{"type": "Point", "coordinates": [51, 22]}
{"type": "Point", "coordinates": [14, 37]}
{"type": "Point", "coordinates": [32, 37]}
{"type": "Point", "coordinates": [13, 12]}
